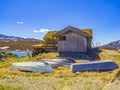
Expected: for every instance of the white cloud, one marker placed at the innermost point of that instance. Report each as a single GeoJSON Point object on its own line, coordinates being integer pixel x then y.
{"type": "Point", "coordinates": [20, 22]}
{"type": "Point", "coordinates": [41, 31]}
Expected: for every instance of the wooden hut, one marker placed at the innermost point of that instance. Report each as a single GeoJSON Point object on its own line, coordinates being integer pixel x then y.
{"type": "Point", "coordinates": [74, 40]}
{"type": "Point", "coordinates": [70, 40]}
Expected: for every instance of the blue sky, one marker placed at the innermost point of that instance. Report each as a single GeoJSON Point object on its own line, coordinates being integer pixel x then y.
{"type": "Point", "coordinates": [30, 18]}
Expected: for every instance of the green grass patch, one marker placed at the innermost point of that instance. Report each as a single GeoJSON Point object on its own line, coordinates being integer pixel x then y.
{"type": "Point", "coordinates": [6, 87]}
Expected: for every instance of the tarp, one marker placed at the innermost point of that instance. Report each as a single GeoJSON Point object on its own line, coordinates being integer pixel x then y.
{"type": "Point", "coordinates": [94, 65]}
{"type": "Point", "coordinates": [34, 66]}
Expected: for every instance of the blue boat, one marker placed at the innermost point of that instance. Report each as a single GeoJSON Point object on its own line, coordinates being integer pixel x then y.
{"type": "Point", "coordinates": [94, 66]}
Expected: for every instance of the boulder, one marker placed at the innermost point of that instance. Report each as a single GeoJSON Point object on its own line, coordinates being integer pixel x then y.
{"type": "Point", "coordinates": [114, 84]}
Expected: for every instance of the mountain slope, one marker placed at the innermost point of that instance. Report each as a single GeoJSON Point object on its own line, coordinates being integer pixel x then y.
{"type": "Point", "coordinates": [23, 44]}
{"type": "Point", "coordinates": [10, 37]}
{"type": "Point", "coordinates": [17, 43]}
{"type": "Point", "coordinates": [115, 44]}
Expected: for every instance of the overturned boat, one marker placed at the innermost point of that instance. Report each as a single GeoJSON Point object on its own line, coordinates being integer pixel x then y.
{"type": "Point", "coordinates": [32, 66]}
{"type": "Point", "coordinates": [94, 66]}
{"type": "Point", "coordinates": [55, 62]}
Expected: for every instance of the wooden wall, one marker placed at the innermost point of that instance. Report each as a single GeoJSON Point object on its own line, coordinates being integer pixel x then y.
{"type": "Point", "coordinates": [89, 46]}
{"type": "Point", "coordinates": [38, 50]}
{"type": "Point", "coordinates": [74, 43]}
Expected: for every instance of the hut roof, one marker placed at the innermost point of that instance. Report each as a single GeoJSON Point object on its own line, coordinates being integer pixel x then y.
{"type": "Point", "coordinates": [88, 31]}
{"type": "Point", "coordinates": [74, 29]}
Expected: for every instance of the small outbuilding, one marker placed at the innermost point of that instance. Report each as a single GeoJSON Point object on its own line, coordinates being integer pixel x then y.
{"type": "Point", "coordinates": [40, 48]}
{"type": "Point", "coordinates": [74, 40]}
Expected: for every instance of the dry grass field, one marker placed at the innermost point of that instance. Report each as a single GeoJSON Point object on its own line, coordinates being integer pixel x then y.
{"type": "Point", "coordinates": [60, 79]}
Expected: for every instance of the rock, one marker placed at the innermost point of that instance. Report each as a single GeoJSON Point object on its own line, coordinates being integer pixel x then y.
{"type": "Point", "coordinates": [116, 77]}
{"type": "Point", "coordinates": [114, 84]}
{"type": "Point", "coordinates": [1, 56]}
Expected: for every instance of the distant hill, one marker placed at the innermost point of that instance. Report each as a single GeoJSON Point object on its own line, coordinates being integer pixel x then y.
{"type": "Point", "coordinates": [17, 43]}
{"type": "Point", "coordinates": [115, 44]}
{"type": "Point", "coordinates": [10, 37]}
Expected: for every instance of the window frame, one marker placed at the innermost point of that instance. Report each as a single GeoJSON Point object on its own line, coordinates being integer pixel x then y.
{"type": "Point", "coordinates": [62, 38]}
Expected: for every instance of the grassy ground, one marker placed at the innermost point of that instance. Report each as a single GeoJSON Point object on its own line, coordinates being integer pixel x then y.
{"type": "Point", "coordinates": [60, 79]}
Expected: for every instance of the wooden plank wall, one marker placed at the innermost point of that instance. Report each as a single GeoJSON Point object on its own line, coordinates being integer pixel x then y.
{"type": "Point", "coordinates": [73, 43]}
{"type": "Point", "coordinates": [89, 43]}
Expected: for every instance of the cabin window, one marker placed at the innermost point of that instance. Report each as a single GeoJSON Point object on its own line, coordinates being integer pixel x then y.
{"type": "Point", "coordinates": [62, 38]}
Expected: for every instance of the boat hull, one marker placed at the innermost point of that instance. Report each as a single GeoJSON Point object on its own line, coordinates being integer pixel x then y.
{"type": "Point", "coordinates": [32, 66]}
{"type": "Point", "coordinates": [94, 66]}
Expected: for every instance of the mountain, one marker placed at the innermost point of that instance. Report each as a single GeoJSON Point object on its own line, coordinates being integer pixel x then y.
{"type": "Point", "coordinates": [115, 44]}
{"type": "Point", "coordinates": [10, 37]}
{"type": "Point", "coordinates": [17, 43]}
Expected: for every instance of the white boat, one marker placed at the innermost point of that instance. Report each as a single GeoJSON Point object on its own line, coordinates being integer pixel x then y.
{"type": "Point", "coordinates": [94, 66]}
{"type": "Point", "coordinates": [55, 62]}
{"type": "Point", "coordinates": [33, 66]}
